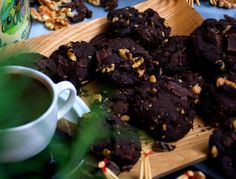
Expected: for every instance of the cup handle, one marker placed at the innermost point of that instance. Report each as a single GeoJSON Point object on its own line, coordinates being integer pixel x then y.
{"type": "Point", "coordinates": [60, 87]}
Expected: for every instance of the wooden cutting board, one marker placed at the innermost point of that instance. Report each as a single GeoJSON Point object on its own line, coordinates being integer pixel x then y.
{"type": "Point", "coordinates": [183, 20]}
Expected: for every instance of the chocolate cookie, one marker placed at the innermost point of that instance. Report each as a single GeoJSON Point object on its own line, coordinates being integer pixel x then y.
{"type": "Point", "coordinates": [108, 4]}
{"type": "Point", "coordinates": [81, 10]}
{"type": "Point", "coordinates": [124, 62]}
{"type": "Point", "coordinates": [164, 108]}
{"type": "Point", "coordinates": [222, 146]}
{"type": "Point", "coordinates": [72, 62]}
{"type": "Point", "coordinates": [147, 28]}
{"type": "Point", "coordinates": [120, 144]}
{"type": "Point", "coordinates": [213, 46]}
{"type": "Point", "coordinates": [218, 99]}
{"type": "Point", "coordinates": [172, 55]}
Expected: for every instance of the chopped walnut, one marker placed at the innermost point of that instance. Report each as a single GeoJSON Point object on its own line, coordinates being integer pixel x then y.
{"type": "Point", "coordinates": [125, 54]}
{"type": "Point", "coordinates": [53, 14]}
{"type": "Point", "coordinates": [125, 118]}
{"type": "Point", "coordinates": [140, 73]}
{"type": "Point", "coordinates": [95, 2]}
{"type": "Point", "coordinates": [115, 19]}
{"type": "Point", "coordinates": [97, 97]}
{"type": "Point", "coordinates": [138, 62]}
{"type": "Point", "coordinates": [196, 89]}
{"type": "Point", "coordinates": [164, 127]}
{"type": "Point", "coordinates": [234, 124]}
{"type": "Point", "coordinates": [152, 79]}
{"type": "Point", "coordinates": [109, 69]}
{"type": "Point", "coordinates": [221, 81]}
{"type": "Point", "coordinates": [166, 24]}
{"type": "Point", "coordinates": [71, 55]}
{"type": "Point", "coordinates": [214, 151]}
{"type": "Point", "coordinates": [227, 28]}
{"type": "Point", "coordinates": [106, 152]}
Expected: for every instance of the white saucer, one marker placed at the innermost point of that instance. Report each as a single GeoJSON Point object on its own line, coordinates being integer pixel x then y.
{"type": "Point", "coordinates": [78, 110]}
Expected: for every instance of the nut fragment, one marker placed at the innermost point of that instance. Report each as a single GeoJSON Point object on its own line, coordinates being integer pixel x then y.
{"type": "Point", "coordinates": [234, 124]}
{"type": "Point", "coordinates": [36, 15]}
{"type": "Point", "coordinates": [166, 24]}
{"type": "Point", "coordinates": [227, 28]}
{"type": "Point", "coordinates": [138, 62]}
{"type": "Point", "coordinates": [152, 79]}
{"type": "Point", "coordinates": [164, 127]}
{"type": "Point", "coordinates": [115, 19]}
{"type": "Point", "coordinates": [196, 89]}
{"type": "Point", "coordinates": [125, 54]}
{"type": "Point", "coordinates": [125, 118]}
{"type": "Point", "coordinates": [95, 2]}
{"type": "Point", "coordinates": [214, 151]}
{"type": "Point", "coordinates": [221, 81]}
{"type": "Point", "coordinates": [140, 73]}
{"type": "Point", "coordinates": [71, 55]}
{"type": "Point", "coordinates": [109, 69]}
{"type": "Point", "coordinates": [222, 64]}
{"type": "Point", "coordinates": [97, 97]}
{"type": "Point", "coordinates": [106, 152]}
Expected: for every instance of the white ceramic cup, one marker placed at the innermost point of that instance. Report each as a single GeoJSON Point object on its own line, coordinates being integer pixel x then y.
{"type": "Point", "coordinates": [22, 142]}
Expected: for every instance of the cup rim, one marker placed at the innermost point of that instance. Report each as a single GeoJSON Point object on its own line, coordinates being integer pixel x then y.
{"type": "Point", "coordinates": [42, 78]}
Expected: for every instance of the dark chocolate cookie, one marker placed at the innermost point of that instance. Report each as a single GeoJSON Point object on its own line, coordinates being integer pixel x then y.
{"type": "Point", "coordinates": [72, 62]}
{"type": "Point", "coordinates": [164, 109]}
{"type": "Point", "coordinates": [213, 46]}
{"type": "Point", "coordinates": [222, 146]}
{"type": "Point", "coordinates": [121, 145]}
{"type": "Point", "coordinates": [124, 62]}
{"type": "Point", "coordinates": [81, 11]}
{"type": "Point", "coordinates": [172, 55]}
{"type": "Point", "coordinates": [218, 99]}
{"type": "Point", "coordinates": [146, 28]}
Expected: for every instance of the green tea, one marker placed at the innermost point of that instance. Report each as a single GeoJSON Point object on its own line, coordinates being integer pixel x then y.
{"type": "Point", "coordinates": [22, 100]}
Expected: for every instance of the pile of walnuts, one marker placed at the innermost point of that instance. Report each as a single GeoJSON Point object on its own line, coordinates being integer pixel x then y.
{"type": "Point", "coordinates": [58, 14]}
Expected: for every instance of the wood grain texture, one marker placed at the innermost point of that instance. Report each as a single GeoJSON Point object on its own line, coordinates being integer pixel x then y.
{"type": "Point", "coordinates": [183, 20]}
{"type": "Point", "coordinates": [191, 149]}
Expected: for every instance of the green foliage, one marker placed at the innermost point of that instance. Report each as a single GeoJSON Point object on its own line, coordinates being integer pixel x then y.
{"type": "Point", "coordinates": [67, 157]}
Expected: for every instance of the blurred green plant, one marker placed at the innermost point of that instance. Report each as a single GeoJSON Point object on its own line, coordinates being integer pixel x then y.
{"type": "Point", "coordinates": [64, 156]}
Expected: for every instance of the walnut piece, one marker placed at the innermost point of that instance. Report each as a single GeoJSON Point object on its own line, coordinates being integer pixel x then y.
{"type": "Point", "coordinates": [214, 151]}
{"type": "Point", "coordinates": [196, 89]}
{"type": "Point", "coordinates": [221, 81]}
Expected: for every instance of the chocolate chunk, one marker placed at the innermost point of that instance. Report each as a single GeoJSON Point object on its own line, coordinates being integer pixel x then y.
{"type": "Point", "coordinates": [172, 55]}
{"type": "Point", "coordinates": [232, 42]}
{"type": "Point", "coordinates": [163, 147]}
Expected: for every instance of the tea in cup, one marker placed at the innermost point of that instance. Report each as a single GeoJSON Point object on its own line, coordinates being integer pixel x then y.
{"type": "Point", "coordinates": [28, 123]}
